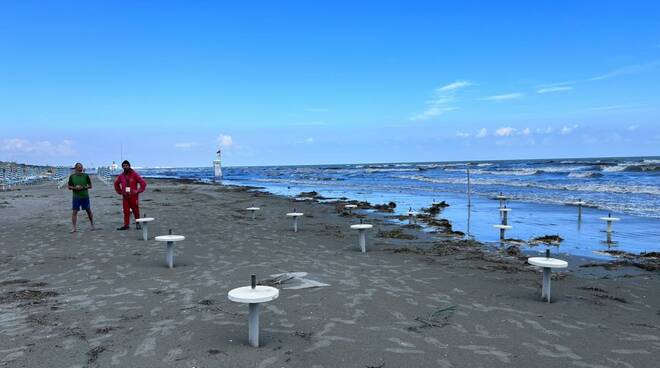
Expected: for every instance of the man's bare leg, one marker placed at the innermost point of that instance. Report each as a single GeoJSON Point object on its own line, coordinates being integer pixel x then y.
{"type": "Point", "coordinates": [74, 220]}
{"type": "Point", "coordinates": [91, 218]}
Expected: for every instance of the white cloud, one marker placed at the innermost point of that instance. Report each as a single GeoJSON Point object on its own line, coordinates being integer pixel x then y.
{"type": "Point", "coordinates": [64, 148]}
{"type": "Point", "coordinates": [613, 107]}
{"type": "Point", "coordinates": [547, 130]}
{"type": "Point", "coordinates": [554, 89]}
{"type": "Point", "coordinates": [309, 140]}
{"type": "Point", "coordinates": [225, 141]}
{"type": "Point", "coordinates": [499, 132]}
{"type": "Point", "coordinates": [568, 129]}
{"type": "Point", "coordinates": [632, 128]}
{"type": "Point", "coordinates": [505, 131]}
{"type": "Point", "coordinates": [186, 145]}
{"type": "Point", "coordinates": [431, 113]}
{"type": "Point", "coordinates": [454, 86]}
{"type": "Point", "coordinates": [508, 96]}
{"type": "Point", "coordinates": [626, 70]}
{"type": "Point", "coordinates": [441, 101]}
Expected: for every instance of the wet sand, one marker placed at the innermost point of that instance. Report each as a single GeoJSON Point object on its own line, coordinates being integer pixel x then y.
{"type": "Point", "coordinates": [106, 298]}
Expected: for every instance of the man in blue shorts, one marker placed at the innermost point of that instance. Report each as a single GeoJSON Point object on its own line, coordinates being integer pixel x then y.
{"type": "Point", "coordinates": [79, 184]}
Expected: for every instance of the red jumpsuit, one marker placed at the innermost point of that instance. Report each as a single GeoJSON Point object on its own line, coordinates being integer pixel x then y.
{"type": "Point", "coordinates": [126, 184]}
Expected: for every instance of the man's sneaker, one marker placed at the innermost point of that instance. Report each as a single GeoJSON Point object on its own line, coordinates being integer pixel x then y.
{"type": "Point", "coordinates": [125, 227]}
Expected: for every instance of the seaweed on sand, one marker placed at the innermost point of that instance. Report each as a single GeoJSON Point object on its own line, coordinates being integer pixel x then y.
{"type": "Point", "coordinates": [601, 293]}
{"type": "Point", "coordinates": [28, 296]}
{"type": "Point", "coordinates": [396, 234]}
{"type": "Point", "coordinates": [547, 239]}
{"type": "Point", "coordinates": [438, 318]}
{"type": "Point", "coordinates": [649, 261]}
{"type": "Point", "coordinates": [385, 207]}
{"type": "Point", "coordinates": [435, 208]}
{"type": "Point", "coordinates": [93, 354]}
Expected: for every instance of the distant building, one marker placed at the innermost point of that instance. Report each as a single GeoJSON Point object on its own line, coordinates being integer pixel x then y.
{"type": "Point", "coordinates": [217, 166]}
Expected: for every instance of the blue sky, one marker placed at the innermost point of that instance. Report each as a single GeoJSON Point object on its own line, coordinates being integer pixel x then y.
{"type": "Point", "coordinates": [306, 82]}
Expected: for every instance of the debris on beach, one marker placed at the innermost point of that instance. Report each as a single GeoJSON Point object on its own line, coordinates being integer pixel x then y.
{"type": "Point", "coordinates": [236, 188]}
{"type": "Point", "coordinates": [305, 335]}
{"type": "Point", "coordinates": [396, 234]}
{"type": "Point", "coordinates": [93, 354]}
{"type": "Point", "coordinates": [105, 330]}
{"type": "Point", "coordinates": [451, 247]}
{"type": "Point", "coordinates": [649, 261]}
{"type": "Point", "coordinates": [602, 294]}
{"type": "Point", "coordinates": [547, 239]}
{"type": "Point", "coordinates": [514, 251]}
{"type": "Point", "coordinates": [28, 296]}
{"type": "Point", "coordinates": [23, 282]}
{"type": "Point", "coordinates": [379, 365]}
{"type": "Point", "coordinates": [310, 195]}
{"type": "Point", "coordinates": [438, 318]}
{"type": "Point", "coordinates": [442, 226]}
{"type": "Point", "coordinates": [407, 250]}
{"type": "Point", "coordinates": [291, 281]}
{"type": "Point", "coordinates": [510, 261]}
{"type": "Point", "coordinates": [385, 207]}
{"type": "Point", "coordinates": [435, 208]}
{"type": "Point", "coordinates": [398, 217]}
{"type": "Point", "coordinates": [361, 205]}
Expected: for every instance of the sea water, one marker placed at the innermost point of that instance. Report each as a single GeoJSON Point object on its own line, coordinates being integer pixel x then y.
{"type": "Point", "coordinates": [540, 193]}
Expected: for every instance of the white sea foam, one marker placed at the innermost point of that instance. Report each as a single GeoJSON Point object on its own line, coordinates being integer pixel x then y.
{"type": "Point", "coordinates": [518, 172]}
{"type": "Point", "coordinates": [581, 187]}
{"type": "Point", "coordinates": [390, 170]}
{"type": "Point", "coordinates": [585, 174]}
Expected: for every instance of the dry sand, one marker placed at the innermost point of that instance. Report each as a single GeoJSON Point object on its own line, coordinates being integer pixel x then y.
{"type": "Point", "coordinates": [105, 298]}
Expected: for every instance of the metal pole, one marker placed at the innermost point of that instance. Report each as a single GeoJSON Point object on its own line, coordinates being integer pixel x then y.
{"type": "Point", "coordinates": [579, 209]}
{"type": "Point", "coordinates": [469, 215]}
{"type": "Point", "coordinates": [253, 324]}
{"type": "Point", "coordinates": [363, 241]}
{"type": "Point", "coordinates": [469, 193]}
{"type": "Point", "coordinates": [545, 290]}
{"type": "Point", "coordinates": [170, 254]}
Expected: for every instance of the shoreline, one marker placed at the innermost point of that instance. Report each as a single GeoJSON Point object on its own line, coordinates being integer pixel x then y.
{"type": "Point", "coordinates": [527, 247]}
{"type": "Point", "coordinates": [105, 298]}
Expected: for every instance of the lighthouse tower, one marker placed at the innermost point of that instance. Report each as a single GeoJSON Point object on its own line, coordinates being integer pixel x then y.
{"type": "Point", "coordinates": [217, 166]}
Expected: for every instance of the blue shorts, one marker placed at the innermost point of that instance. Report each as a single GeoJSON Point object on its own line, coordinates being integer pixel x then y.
{"type": "Point", "coordinates": [79, 203]}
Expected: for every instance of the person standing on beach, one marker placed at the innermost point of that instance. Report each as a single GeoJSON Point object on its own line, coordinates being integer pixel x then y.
{"type": "Point", "coordinates": [79, 184]}
{"type": "Point", "coordinates": [126, 185]}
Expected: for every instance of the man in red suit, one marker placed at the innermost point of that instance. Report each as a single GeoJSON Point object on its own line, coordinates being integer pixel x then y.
{"type": "Point", "coordinates": [126, 185]}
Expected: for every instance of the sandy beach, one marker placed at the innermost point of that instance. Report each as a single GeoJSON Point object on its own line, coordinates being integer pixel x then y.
{"type": "Point", "coordinates": [106, 298]}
